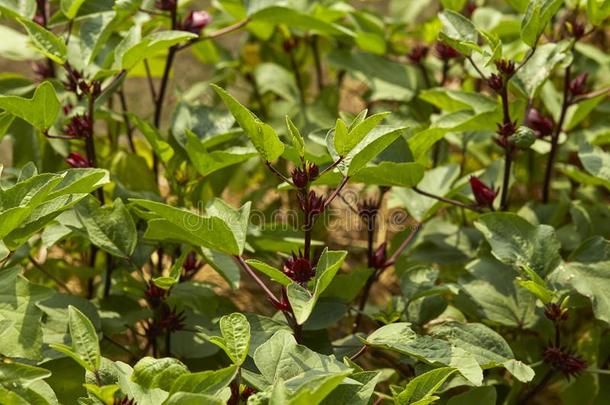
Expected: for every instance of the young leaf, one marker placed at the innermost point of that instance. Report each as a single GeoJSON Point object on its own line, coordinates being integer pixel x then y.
{"type": "Point", "coordinates": [235, 339]}
{"type": "Point", "coordinates": [537, 16]}
{"type": "Point", "coordinates": [40, 111]}
{"type": "Point", "coordinates": [421, 389]}
{"type": "Point", "coordinates": [297, 139]}
{"type": "Point", "coordinates": [209, 382]}
{"type": "Point", "coordinates": [70, 7]}
{"type": "Point", "coordinates": [459, 32]}
{"type": "Point", "coordinates": [85, 344]}
{"type": "Point", "coordinates": [262, 135]}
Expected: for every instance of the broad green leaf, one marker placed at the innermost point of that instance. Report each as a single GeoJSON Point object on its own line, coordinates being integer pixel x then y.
{"type": "Point", "coordinates": [171, 223]}
{"type": "Point", "coordinates": [595, 161]}
{"type": "Point", "coordinates": [537, 16]}
{"type": "Point", "coordinates": [476, 395]}
{"type": "Point", "coordinates": [44, 40]}
{"type": "Point", "coordinates": [18, 373]}
{"type": "Point", "coordinates": [354, 394]}
{"type": "Point", "coordinates": [134, 51]}
{"type": "Point", "coordinates": [401, 338]}
{"type": "Point", "coordinates": [209, 382]}
{"type": "Point", "coordinates": [459, 32]}
{"type": "Point", "coordinates": [345, 140]}
{"type": "Point", "coordinates": [70, 7]}
{"type": "Point", "coordinates": [110, 228]}
{"type": "Point", "coordinates": [301, 300]}
{"type": "Point", "coordinates": [496, 294]}
{"type": "Point", "coordinates": [79, 181]}
{"type": "Point", "coordinates": [94, 31]}
{"type": "Point", "coordinates": [85, 348]}
{"type": "Point", "coordinates": [421, 389]}
{"type": "Point", "coordinates": [236, 219]}
{"type": "Point", "coordinates": [188, 398]}
{"type": "Point", "coordinates": [298, 20]}
{"type": "Point", "coordinates": [516, 242]}
{"type": "Point", "coordinates": [540, 66]}
{"type": "Point", "coordinates": [158, 373]}
{"type": "Point", "coordinates": [152, 135]}
{"type": "Point", "coordinates": [16, 47]}
{"type": "Point", "coordinates": [390, 174]}
{"type": "Point", "coordinates": [488, 347]}
{"type": "Point", "coordinates": [273, 273]}
{"type": "Point", "coordinates": [40, 111]}
{"type": "Point", "coordinates": [262, 135]}
{"type": "Point", "coordinates": [20, 317]}
{"type": "Point", "coordinates": [206, 162]}
{"type": "Point", "coordinates": [25, 8]}
{"type": "Point", "coordinates": [457, 100]}
{"type": "Point", "coordinates": [235, 339]}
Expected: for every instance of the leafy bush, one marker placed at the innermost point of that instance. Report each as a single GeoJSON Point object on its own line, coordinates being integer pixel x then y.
{"type": "Point", "coordinates": [164, 243]}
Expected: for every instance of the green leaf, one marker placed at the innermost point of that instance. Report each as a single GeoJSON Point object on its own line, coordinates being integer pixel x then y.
{"type": "Point", "coordinates": [391, 174]}
{"type": "Point", "coordinates": [298, 20]}
{"type": "Point", "coordinates": [297, 139]}
{"type": "Point", "coordinates": [25, 8]}
{"type": "Point", "coordinates": [421, 389]}
{"type": "Point", "coordinates": [457, 100]}
{"type": "Point", "coordinates": [188, 398]}
{"type": "Point", "coordinates": [40, 111]}
{"type": "Point", "coordinates": [110, 228]}
{"type": "Point", "coordinates": [345, 141]}
{"type": "Point", "coordinates": [94, 31]}
{"type": "Point", "coordinates": [476, 395]}
{"type": "Point", "coordinates": [301, 300]}
{"type": "Point", "coordinates": [595, 161]}
{"type": "Point", "coordinates": [70, 7]}
{"type": "Point", "coordinates": [354, 394]}
{"type": "Point", "coordinates": [131, 51]}
{"type": "Point", "coordinates": [262, 135]}
{"type": "Point", "coordinates": [161, 148]}
{"type": "Point", "coordinates": [158, 373]}
{"type": "Point", "coordinates": [401, 338]}
{"type": "Point", "coordinates": [209, 382]}
{"type": "Point", "coordinates": [598, 11]}
{"type": "Point", "coordinates": [207, 163]}
{"type": "Point", "coordinates": [44, 40]}
{"type": "Point", "coordinates": [235, 339]}
{"type": "Point", "coordinates": [531, 76]}
{"type": "Point", "coordinates": [85, 344]}
{"type": "Point", "coordinates": [273, 273]}
{"type": "Point", "coordinates": [459, 32]}
{"type": "Point", "coordinates": [171, 223]}
{"type": "Point", "coordinates": [537, 16]}
{"type": "Point", "coordinates": [17, 373]}
{"type": "Point", "coordinates": [516, 242]}
{"type": "Point", "coordinates": [20, 317]}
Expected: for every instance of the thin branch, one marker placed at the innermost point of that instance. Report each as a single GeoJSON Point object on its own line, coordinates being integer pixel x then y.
{"type": "Point", "coordinates": [278, 173]}
{"type": "Point", "coordinates": [359, 353]}
{"type": "Point", "coordinates": [525, 60]}
{"type": "Point", "coordinates": [124, 109]}
{"type": "Point", "coordinates": [318, 63]}
{"type": "Point", "coordinates": [392, 259]}
{"type": "Point", "coordinates": [216, 34]}
{"type": "Point", "coordinates": [149, 78]}
{"type": "Point", "coordinates": [336, 191]}
{"type": "Point", "coordinates": [257, 279]}
{"type": "Point", "coordinates": [476, 68]}
{"type": "Point", "coordinates": [448, 200]}
{"type": "Point", "coordinates": [331, 167]}
{"type": "Point", "coordinates": [49, 274]}
{"type": "Point", "coordinates": [590, 95]}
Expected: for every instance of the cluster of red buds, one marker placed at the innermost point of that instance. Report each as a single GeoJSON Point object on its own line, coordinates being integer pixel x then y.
{"type": "Point", "coordinates": [380, 257]}
{"type": "Point", "coordinates": [283, 304]}
{"type": "Point", "coordinates": [154, 295]}
{"type": "Point", "coordinates": [311, 204]}
{"type": "Point", "coordinates": [555, 312]}
{"type": "Point", "coordinates": [299, 268]}
{"type": "Point", "coordinates": [564, 361]}
{"type": "Point", "coordinates": [290, 44]}
{"type": "Point", "coordinates": [506, 69]}
{"type": "Point", "coordinates": [166, 5]}
{"type": "Point", "coordinates": [445, 52]}
{"type": "Point", "coordinates": [236, 396]}
{"type": "Point", "coordinates": [578, 85]}
{"type": "Point", "coordinates": [505, 130]}
{"type": "Point", "coordinates": [418, 53]}
{"type": "Point", "coordinates": [575, 29]}
{"type": "Point", "coordinates": [80, 126]}
{"type": "Point", "coordinates": [76, 83]}
{"type": "Point", "coordinates": [302, 176]}
{"type": "Point", "coordinates": [190, 266]}
{"type": "Point", "coordinates": [41, 11]}
{"type": "Point", "coordinates": [542, 125]}
{"type": "Point", "coordinates": [469, 9]}
{"type": "Point", "coordinates": [124, 401]}
{"type": "Point", "coordinates": [483, 194]}
{"type": "Point", "coordinates": [167, 320]}
{"type": "Point", "coordinates": [77, 160]}
{"type": "Point", "coordinates": [195, 21]}
{"type": "Point", "coordinates": [368, 210]}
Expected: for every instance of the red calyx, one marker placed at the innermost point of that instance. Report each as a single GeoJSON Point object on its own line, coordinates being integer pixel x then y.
{"type": "Point", "coordinates": [483, 194]}
{"type": "Point", "coordinates": [418, 53]}
{"type": "Point", "coordinates": [77, 160]}
{"type": "Point", "coordinates": [379, 258]}
{"type": "Point", "coordinates": [541, 124]}
{"type": "Point", "coordinates": [299, 268]}
{"type": "Point", "coordinates": [195, 21]}
{"type": "Point", "coordinates": [445, 52]}
{"type": "Point", "coordinates": [578, 85]}
{"type": "Point", "coordinates": [562, 360]}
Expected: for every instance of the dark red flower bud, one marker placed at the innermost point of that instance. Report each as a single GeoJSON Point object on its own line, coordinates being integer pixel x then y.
{"type": "Point", "coordinates": [247, 393]}
{"type": "Point", "coordinates": [312, 171]}
{"type": "Point", "coordinates": [80, 126]}
{"type": "Point", "coordinates": [124, 401]}
{"type": "Point", "coordinates": [541, 124]}
{"type": "Point", "coordinates": [283, 305]}
{"type": "Point", "coordinates": [367, 210]}
{"type": "Point", "coordinates": [505, 67]}
{"type": "Point", "coordinates": [469, 9]}
{"type": "Point", "coordinates": [445, 52]}
{"type": "Point", "coordinates": [191, 266]}
{"type": "Point", "coordinates": [506, 130]}
{"type": "Point", "coordinates": [311, 204]}
{"type": "Point", "coordinates": [555, 313]}
{"type": "Point", "coordinates": [418, 53]}
{"type": "Point", "coordinates": [67, 108]}
{"type": "Point", "coordinates": [171, 319]}
{"type": "Point", "coordinates": [578, 85]}
{"type": "Point", "coordinates": [289, 44]}
{"type": "Point", "coordinates": [379, 258]}
{"type": "Point", "coordinates": [154, 295]}
{"type": "Point", "coordinates": [563, 361]}
{"type": "Point", "coordinates": [73, 78]}
{"type": "Point", "coordinates": [42, 70]}
{"type": "Point", "coordinates": [299, 178]}
{"type": "Point", "coordinates": [299, 268]}
{"type": "Point", "coordinates": [166, 5]}
{"type": "Point", "coordinates": [576, 29]}
{"type": "Point", "coordinates": [39, 19]}
{"type": "Point", "coordinates": [96, 88]}
{"type": "Point", "coordinates": [495, 82]}
{"type": "Point", "coordinates": [483, 194]}
{"type": "Point", "coordinates": [77, 160]}
{"type": "Point", "coordinates": [195, 21]}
